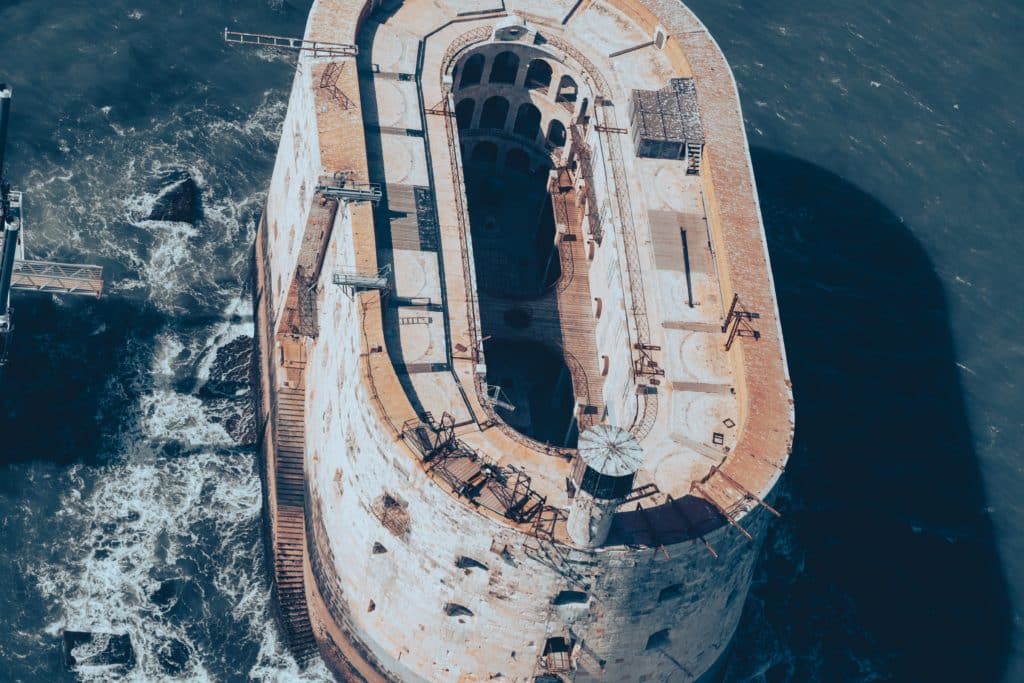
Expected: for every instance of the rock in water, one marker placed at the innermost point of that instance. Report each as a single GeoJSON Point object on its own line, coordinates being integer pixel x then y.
{"type": "Point", "coordinates": [112, 651]}
{"type": "Point", "coordinates": [178, 201]}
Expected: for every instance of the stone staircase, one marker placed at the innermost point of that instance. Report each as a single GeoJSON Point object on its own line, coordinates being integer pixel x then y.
{"type": "Point", "coordinates": [290, 527]}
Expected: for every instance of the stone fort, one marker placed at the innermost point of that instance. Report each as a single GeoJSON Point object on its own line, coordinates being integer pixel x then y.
{"type": "Point", "coordinates": [523, 389]}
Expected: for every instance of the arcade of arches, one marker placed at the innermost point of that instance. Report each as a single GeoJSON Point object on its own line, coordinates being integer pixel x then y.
{"type": "Point", "coordinates": [513, 111]}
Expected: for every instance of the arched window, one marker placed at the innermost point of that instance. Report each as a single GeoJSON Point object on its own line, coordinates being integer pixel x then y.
{"type": "Point", "coordinates": [567, 90]}
{"type": "Point", "coordinates": [556, 133]}
{"type": "Point", "coordinates": [494, 112]}
{"type": "Point", "coordinates": [464, 113]}
{"type": "Point", "coordinates": [538, 75]}
{"type": "Point", "coordinates": [472, 71]}
{"type": "Point", "coordinates": [485, 153]}
{"type": "Point", "coordinates": [517, 160]}
{"type": "Point", "coordinates": [505, 68]}
{"type": "Point", "coordinates": [527, 121]}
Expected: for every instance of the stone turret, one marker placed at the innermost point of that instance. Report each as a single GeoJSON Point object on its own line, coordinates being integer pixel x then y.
{"type": "Point", "coordinates": [608, 460]}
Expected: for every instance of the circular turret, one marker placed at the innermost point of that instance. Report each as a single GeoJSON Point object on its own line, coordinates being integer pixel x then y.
{"type": "Point", "coordinates": [608, 460]}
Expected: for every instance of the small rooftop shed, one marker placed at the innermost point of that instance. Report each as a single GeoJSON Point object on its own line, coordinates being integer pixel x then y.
{"type": "Point", "coordinates": [666, 123]}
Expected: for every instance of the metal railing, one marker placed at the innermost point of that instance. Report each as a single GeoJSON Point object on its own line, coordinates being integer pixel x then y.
{"type": "Point", "coordinates": [476, 35]}
{"type": "Point", "coordinates": [57, 278]}
{"type": "Point", "coordinates": [318, 48]}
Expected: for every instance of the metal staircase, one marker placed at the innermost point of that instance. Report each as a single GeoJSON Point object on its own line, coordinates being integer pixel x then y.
{"type": "Point", "coordinates": [693, 155]}
{"type": "Point", "coordinates": [290, 540]}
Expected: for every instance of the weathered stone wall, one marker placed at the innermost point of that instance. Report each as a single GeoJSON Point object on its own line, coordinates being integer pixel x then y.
{"type": "Point", "coordinates": [394, 580]}
{"type": "Point", "coordinates": [296, 172]}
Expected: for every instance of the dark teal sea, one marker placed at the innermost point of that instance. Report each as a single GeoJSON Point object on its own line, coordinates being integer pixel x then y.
{"type": "Point", "coordinates": [887, 146]}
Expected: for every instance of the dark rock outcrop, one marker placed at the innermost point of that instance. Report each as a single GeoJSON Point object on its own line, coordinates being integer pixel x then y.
{"type": "Point", "coordinates": [113, 650]}
{"type": "Point", "coordinates": [178, 201]}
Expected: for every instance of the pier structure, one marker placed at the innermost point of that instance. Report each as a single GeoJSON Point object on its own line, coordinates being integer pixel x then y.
{"type": "Point", "coordinates": [16, 272]}
{"type": "Point", "coordinates": [523, 391]}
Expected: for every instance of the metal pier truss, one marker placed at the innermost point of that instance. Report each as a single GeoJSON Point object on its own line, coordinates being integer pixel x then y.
{"type": "Point", "coordinates": [318, 48]}
{"type": "Point", "coordinates": [57, 278]}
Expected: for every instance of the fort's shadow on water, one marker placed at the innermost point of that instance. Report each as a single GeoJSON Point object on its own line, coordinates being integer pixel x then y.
{"type": "Point", "coordinates": [884, 565]}
{"type": "Point", "coordinates": [67, 389]}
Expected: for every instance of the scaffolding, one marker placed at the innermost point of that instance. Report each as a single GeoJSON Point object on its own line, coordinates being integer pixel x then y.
{"type": "Point", "coordinates": [737, 323]}
{"type": "Point", "coordinates": [329, 82]}
{"type": "Point", "coordinates": [506, 491]}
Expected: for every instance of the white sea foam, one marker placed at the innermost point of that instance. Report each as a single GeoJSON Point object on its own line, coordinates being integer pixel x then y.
{"type": "Point", "coordinates": [147, 518]}
{"type": "Point", "coordinates": [144, 515]}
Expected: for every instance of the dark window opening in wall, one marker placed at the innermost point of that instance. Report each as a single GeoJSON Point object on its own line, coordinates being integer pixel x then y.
{"type": "Point", "coordinates": [528, 122]}
{"type": "Point", "coordinates": [453, 609]}
{"type": "Point", "coordinates": [548, 678]}
{"type": "Point", "coordinates": [517, 160]}
{"type": "Point", "coordinates": [556, 133]}
{"type": "Point", "coordinates": [671, 592]}
{"type": "Point", "coordinates": [464, 113]}
{"type": "Point", "coordinates": [570, 598]}
{"type": "Point", "coordinates": [379, 549]}
{"type": "Point", "coordinates": [538, 75]}
{"type": "Point", "coordinates": [464, 562]}
{"type": "Point", "coordinates": [583, 116]}
{"type": "Point", "coordinates": [472, 71]}
{"type": "Point", "coordinates": [505, 68]}
{"type": "Point", "coordinates": [567, 90]}
{"type": "Point", "coordinates": [556, 655]}
{"type": "Point", "coordinates": [657, 640]}
{"type": "Point", "coordinates": [494, 113]}
{"type": "Point", "coordinates": [484, 153]}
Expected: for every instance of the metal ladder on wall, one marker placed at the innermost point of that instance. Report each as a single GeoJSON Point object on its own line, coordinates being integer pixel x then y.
{"type": "Point", "coordinates": [693, 155]}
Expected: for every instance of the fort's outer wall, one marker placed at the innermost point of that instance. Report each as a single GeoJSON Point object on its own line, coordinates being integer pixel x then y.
{"type": "Point", "coordinates": [392, 596]}
{"type": "Point", "coordinates": [408, 631]}
{"type": "Point", "coordinates": [296, 172]}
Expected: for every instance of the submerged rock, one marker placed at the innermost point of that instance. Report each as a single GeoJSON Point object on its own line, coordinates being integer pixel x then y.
{"type": "Point", "coordinates": [173, 656]}
{"type": "Point", "coordinates": [112, 651]}
{"type": "Point", "coordinates": [178, 201]}
{"type": "Point", "coordinates": [226, 395]}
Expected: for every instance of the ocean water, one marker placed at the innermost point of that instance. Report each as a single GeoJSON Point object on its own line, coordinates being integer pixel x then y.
{"type": "Point", "coordinates": [887, 148]}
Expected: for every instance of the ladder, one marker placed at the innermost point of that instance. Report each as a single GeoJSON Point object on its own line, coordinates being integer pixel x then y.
{"type": "Point", "coordinates": [693, 154]}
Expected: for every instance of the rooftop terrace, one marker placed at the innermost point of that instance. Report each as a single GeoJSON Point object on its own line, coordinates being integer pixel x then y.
{"type": "Point", "coordinates": [546, 277]}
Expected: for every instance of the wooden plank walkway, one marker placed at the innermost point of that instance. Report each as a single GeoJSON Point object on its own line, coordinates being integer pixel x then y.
{"type": "Point", "coordinates": [574, 304]}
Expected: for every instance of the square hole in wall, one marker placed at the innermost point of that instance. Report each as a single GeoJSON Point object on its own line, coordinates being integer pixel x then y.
{"type": "Point", "coordinates": [658, 640]}
{"type": "Point", "coordinates": [671, 592]}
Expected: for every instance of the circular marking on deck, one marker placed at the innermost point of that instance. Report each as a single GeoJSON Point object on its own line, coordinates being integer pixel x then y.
{"type": "Point", "coordinates": [391, 105]}
{"type": "Point", "coordinates": [670, 194]}
{"type": "Point", "coordinates": [675, 466]}
{"type": "Point", "coordinates": [398, 159]}
{"type": "Point", "coordinates": [388, 51]}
